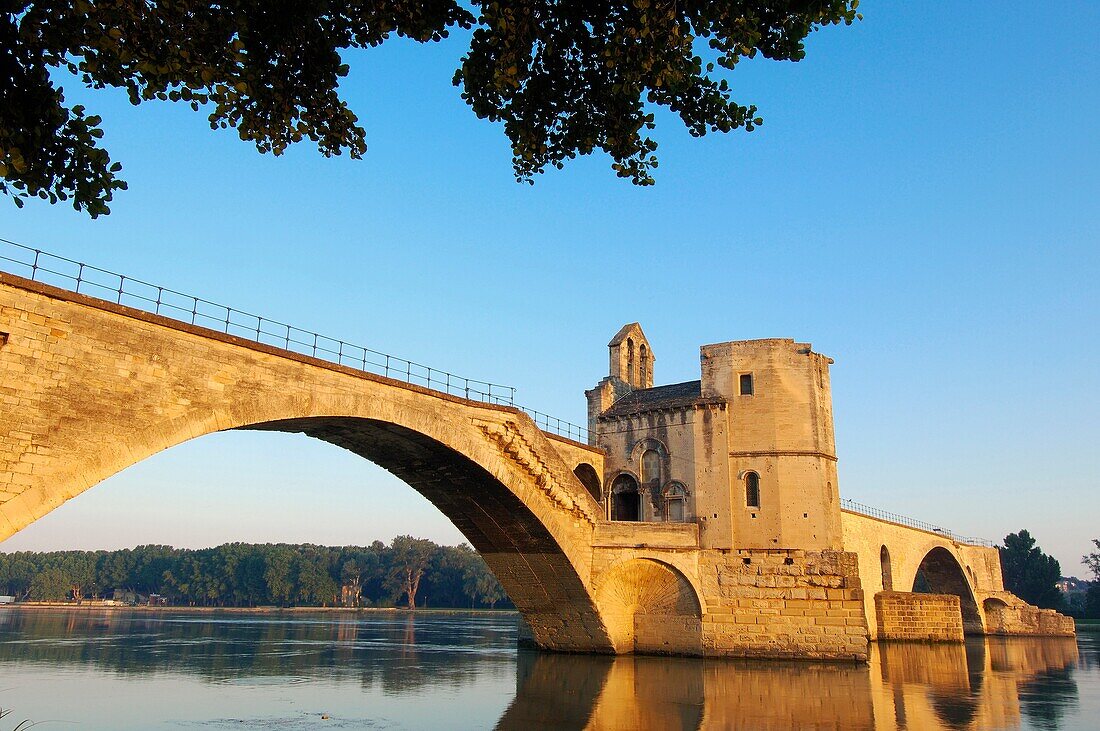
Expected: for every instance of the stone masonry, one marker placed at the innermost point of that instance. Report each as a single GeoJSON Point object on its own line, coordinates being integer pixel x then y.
{"type": "Point", "coordinates": [928, 617]}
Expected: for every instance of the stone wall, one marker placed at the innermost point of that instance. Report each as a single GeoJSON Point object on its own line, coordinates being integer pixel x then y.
{"type": "Point", "coordinates": [783, 603]}
{"type": "Point", "coordinates": [1006, 614]}
{"type": "Point", "coordinates": [928, 617]}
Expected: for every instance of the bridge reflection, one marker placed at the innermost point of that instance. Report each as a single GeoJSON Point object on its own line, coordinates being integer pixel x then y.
{"type": "Point", "coordinates": [987, 683]}
{"type": "Point", "coordinates": [992, 682]}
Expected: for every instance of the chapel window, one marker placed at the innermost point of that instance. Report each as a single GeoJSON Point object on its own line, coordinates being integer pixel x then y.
{"type": "Point", "coordinates": [674, 503]}
{"type": "Point", "coordinates": [752, 490]}
{"type": "Point", "coordinates": [746, 384]}
{"type": "Point", "coordinates": [651, 467]}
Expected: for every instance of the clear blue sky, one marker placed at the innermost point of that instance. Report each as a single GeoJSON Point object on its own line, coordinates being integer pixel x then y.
{"type": "Point", "coordinates": [922, 203]}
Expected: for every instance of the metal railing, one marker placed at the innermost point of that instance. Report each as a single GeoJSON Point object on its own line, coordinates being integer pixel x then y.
{"type": "Point", "coordinates": [854, 507]}
{"type": "Point", "coordinates": [59, 271]}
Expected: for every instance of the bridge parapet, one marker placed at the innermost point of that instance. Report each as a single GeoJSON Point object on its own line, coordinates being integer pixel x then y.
{"type": "Point", "coordinates": [68, 274]}
{"type": "Point", "coordinates": [853, 507]}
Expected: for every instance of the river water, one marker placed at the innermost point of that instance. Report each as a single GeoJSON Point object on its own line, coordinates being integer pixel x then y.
{"type": "Point", "coordinates": [65, 669]}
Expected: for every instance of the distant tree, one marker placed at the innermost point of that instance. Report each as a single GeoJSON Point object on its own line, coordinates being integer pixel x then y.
{"type": "Point", "coordinates": [1092, 597]}
{"type": "Point", "coordinates": [564, 78]}
{"type": "Point", "coordinates": [50, 585]}
{"type": "Point", "coordinates": [315, 586]}
{"type": "Point", "coordinates": [1092, 560]}
{"type": "Point", "coordinates": [279, 575]}
{"type": "Point", "coordinates": [409, 557]}
{"type": "Point", "coordinates": [481, 585]}
{"type": "Point", "coordinates": [1029, 573]}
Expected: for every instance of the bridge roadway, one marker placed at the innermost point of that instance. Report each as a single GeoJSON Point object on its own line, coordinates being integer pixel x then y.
{"type": "Point", "coordinates": [89, 387]}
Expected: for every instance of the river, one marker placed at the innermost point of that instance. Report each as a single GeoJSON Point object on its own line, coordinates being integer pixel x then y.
{"type": "Point", "coordinates": [112, 669]}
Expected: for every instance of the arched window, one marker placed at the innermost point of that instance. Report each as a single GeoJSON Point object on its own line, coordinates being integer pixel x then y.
{"type": "Point", "coordinates": [586, 473]}
{"type": "Point", "coordinates": [675, 495]}
{"type": "Point", "coordinates": [887, 572]}
{"type": "Point", "coordinates": [626, 502]}
{"type": "Point", "coordinates": [630, 360]}
{"type": "Point", "coordinates": [752, 490]}
{"type": "Point", "coordinates": [651, 467]}
{"type": "Point", "coordinates": [643, 365]}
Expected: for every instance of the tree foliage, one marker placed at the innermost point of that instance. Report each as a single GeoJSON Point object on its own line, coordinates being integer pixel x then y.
{"type": "Point", "coordinates": [1092, 560]}
{"type": "Point", "coordinates": [243, 575]}
{"type": "Point", "coordinates": [563, 78]}
{"type": "Point", "coordinates": [1029, 573]}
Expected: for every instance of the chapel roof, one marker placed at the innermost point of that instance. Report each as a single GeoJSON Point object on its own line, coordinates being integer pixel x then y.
{"type": "Point", "coordinates": [658, 397]}
{"type": "Point", "coordinates": [631, 328]}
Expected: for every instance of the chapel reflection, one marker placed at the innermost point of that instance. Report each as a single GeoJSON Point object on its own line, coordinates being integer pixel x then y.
{"type": "Point", "coordinates": [986, 683]}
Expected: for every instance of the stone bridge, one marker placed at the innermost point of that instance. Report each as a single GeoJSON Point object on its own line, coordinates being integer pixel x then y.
{"type": "Point", "coordinates": [89, 387]}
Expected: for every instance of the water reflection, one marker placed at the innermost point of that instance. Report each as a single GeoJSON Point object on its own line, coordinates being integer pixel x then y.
{"type": "Point", "coordinates": [396, 652]}
{"type": "Point", "coordinates": [456, 664]}
{"type": "Point", "coordinates": [983, 684]}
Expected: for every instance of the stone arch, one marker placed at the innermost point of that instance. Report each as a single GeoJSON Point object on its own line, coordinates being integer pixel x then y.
{"type": "Point", "coordinates": [625, 498]}
{"type": "Point", "coordinates": [650, 607]}
{"type": "Point", "coordinates": [143, 384]}
{"type": "Point", "coordinates": [940, 572]}
{"type": "Point", "coordinates": [994, 615]}
{"type": "Point", "coordinates": [643, 445]}
{"type": "Point", "coordinates": [586, 473]}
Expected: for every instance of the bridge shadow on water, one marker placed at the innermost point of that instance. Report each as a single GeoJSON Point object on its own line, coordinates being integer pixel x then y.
{"type": "Point", "coordinates": [999, 683]}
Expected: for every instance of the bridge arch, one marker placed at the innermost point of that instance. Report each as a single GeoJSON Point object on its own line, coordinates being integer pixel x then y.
{"type": "Point", "coordinates": [588, 476]}
{"type": "Point", "coordinates": [651, 607]}
{"type": "Point", "coordinates": [940, 572]}
{"type": "Point", "coordinates": [106, 387]}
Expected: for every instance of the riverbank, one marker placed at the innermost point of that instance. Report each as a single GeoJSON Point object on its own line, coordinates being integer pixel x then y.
{"type": "Point", "coordinates": [72, 606]}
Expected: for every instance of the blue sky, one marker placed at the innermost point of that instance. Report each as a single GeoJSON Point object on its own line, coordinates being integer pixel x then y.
{"type": "Point", "coordinates": [921, 203]}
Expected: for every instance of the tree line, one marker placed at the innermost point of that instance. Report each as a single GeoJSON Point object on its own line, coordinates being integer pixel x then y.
{"type": "Point", "coordinates": [413, 572]}
{"type": "Point", "coordinates": [1033, 576]}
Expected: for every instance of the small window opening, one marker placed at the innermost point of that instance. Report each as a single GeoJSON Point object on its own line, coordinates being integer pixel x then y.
{"type": "Point", "coordinates": [788, 561]}
{"type": "Point", "coordinates": [674, 503]}
{"type": "Point", "coordinates": [629, 361]}
{"type": "Point", "coordinates": [746, 561]}
{"type": "Point", "coordinates": [746, 384]}
{"type": "Point", "coordinates": [3, 339]}
{"type": "Point", "coordinates": [643, 365]}
{"type": "Point", "coordinates": [752, 490]}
